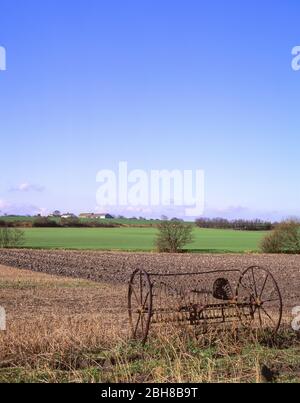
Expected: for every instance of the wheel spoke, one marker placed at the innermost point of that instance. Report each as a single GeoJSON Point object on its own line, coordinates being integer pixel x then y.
{"type": "Point", "coordinates": [268, 315]}
{"type": "Point", "coordinates": [264, 297]}
{"type": "Point", "coordinates": [273, 294]}
{"type": "Point", "coordinates": [264, 285]}
{"type": "Point", "coordinates": [271, 300]}
{"type": "Point", "coordinates": [136, 297]}
{"type": "Point", "coordinates": [137, 324]}
{"type": "Point", "coordinates": [254, 283]}
{"type": "Point", "coordinates": [146, 298]}
{"type": "Point", "coordinates": [141, 288]}
{"type": "Point", "coordinates": [245, 287]}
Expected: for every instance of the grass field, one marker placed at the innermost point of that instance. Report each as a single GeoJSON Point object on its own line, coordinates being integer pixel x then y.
{"type": "Point", "coordinates": [137, 239]}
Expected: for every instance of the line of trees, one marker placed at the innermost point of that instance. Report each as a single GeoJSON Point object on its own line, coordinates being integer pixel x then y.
{"type": "Point", "coordinates": [42, 222]}
{"type": "Point", "coordinates": [242, 225]}
{"type": "Point", "coordinates": [46, 222]}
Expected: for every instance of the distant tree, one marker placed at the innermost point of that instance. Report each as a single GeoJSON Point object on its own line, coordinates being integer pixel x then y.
{"type": "Point", "coordinates": [43, 222]}
{"type": "Point", "coordinates": [11, 237]}
{"type": "Point", "coordinates": [176, 219]}
{"type": "Point", "coordinates": [71, 222]}
{"type": "Point", "coordinates": [173, 236]}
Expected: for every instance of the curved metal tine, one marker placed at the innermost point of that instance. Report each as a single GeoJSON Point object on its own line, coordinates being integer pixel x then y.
{"type": "Point", "coordinates": [184, 297]}
{"type": "Point", "coordinates": [245, 286]}
{"type": "Point", "coordinates": [165, 294]}
{"type": "Point", "coordinates": [180, 293]}
{"type": "Point", "coordinates": [159, 294]}
{"type": "Point", "coordinates": [260, 318]}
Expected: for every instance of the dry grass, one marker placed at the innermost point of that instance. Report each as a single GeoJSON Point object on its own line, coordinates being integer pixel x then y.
{"type": "Point", "coordinates": [51, 321]}
{"type": "Point", "coordinates": [68, 330]}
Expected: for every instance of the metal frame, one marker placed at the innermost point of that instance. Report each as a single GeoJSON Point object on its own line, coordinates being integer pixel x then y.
{"type": "Point", "coordinates": [199, 299]}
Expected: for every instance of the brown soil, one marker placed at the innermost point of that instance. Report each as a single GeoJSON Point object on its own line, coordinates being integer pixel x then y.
{"type": "Point", "coordinates": [115, 268]}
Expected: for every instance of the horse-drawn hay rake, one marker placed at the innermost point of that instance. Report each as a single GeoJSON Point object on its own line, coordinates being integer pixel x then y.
{"type": "Point", "coordinates": [203, 300]}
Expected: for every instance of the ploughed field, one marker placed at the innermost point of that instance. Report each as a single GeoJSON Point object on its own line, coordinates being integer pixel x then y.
{"type": "Point", "coordinates": [116, 268]}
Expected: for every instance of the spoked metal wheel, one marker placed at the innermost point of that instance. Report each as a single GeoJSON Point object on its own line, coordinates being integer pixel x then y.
{"type": "Point", "coordinates": [260, 299]}
{"type": "Point", "coordinates": [140, 305]}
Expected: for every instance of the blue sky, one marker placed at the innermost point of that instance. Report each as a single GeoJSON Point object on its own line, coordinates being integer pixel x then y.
{"type": "Point", "coordinates": [161, 84]}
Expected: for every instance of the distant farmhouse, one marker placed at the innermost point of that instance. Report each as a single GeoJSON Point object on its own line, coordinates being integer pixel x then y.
{"type": "Point", "coordinates": [56, 214]}
{"type": "Point", "coordinates": [101, 216]}
{"type": "Point", "coordinates": [68, 215]}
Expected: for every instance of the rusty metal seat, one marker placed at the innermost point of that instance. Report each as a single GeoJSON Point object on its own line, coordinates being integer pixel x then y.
{"type": "Point", "coordinates": [222, 289]}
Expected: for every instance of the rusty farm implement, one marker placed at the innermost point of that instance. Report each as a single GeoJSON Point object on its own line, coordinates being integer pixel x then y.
{"type": "Point", "coordinates": [203, 300]}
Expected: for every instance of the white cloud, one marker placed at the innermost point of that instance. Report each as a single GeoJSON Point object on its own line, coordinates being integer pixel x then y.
{"type": "Point", "coordinates": [4, 204]}
{"type": "Point", "coordinates": [27, 187]}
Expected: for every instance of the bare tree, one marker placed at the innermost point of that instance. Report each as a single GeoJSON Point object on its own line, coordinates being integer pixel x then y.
{"type": "Point", "coordinates": [173, 236]}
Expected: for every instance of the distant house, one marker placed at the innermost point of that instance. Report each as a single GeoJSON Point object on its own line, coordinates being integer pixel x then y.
{"type": "Point", "coordinates": [55, 214]}
{"type": "Point", "coordinates": [68, 215]}
{"type": "Point", "coordinates": [101, 216]}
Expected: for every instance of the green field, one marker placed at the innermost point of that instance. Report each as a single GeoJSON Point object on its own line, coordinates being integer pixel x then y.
{"type": "Point", "coordinates": [137, 239]}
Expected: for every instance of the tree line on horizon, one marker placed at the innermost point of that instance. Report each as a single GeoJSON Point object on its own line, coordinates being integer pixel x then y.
{"type": "Point", "coordinates": [240, 224]}
{"type": "Point", "coordinates": [208, 223]}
